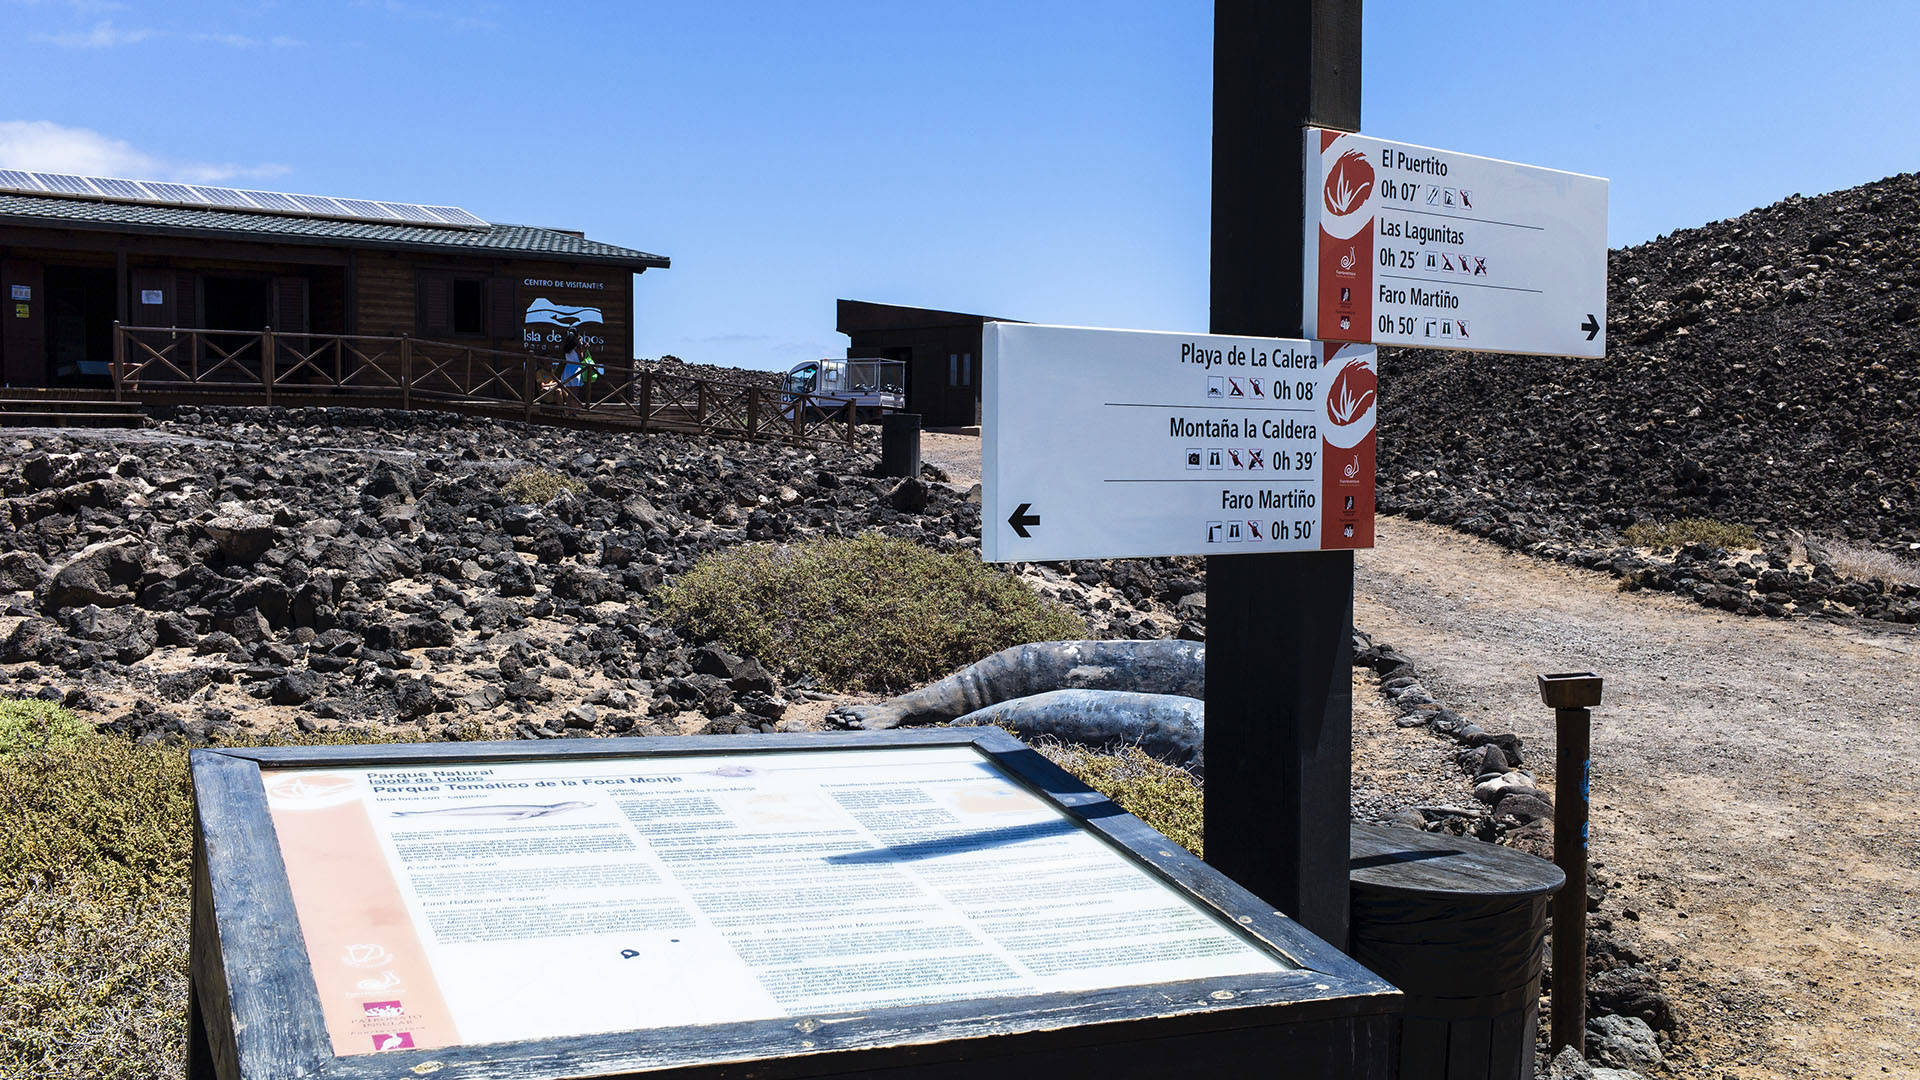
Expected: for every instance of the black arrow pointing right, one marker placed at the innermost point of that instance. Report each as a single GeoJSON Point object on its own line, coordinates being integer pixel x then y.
{"type": "Point", "coordinates": [1020, 519]}
{"type": "Point", "coordinates": [1591, 326]}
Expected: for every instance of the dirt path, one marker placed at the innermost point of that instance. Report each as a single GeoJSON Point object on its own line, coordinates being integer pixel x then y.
{"type": "Point", "coordinates": [1756, 788]}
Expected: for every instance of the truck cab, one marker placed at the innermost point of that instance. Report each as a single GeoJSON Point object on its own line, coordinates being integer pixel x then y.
{"type": "Point", "coordinates": [874, 386]}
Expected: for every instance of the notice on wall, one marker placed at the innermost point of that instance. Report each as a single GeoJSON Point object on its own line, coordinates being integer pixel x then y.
{"type": "Point", "coordinates": [486, 902]}
{"type": "Point", "coordinates": [1408, 245]}
{"type": "Point", "coordinates": [153, 296]}
{"type": "Point", "coordinates": [1108, 444]}
{"type": "Point", "coordinates": [21, 292]}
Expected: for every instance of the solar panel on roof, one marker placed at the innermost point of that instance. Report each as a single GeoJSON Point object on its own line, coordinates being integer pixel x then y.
{"type": "Point", "coordinates": [453, 215]}
{"type": "Point", "coordinates": [272, 200]}
{"type": "Point", "coordinates": [202, 196]}
{"type": "Point", "coordinates": [120, 189]}
{"type": "Point", "coordinates": [219, 196]}
{"type": "Point", "coordinates": [320, 204]}
{"type": "Point", "coordinates": [361, 208]}
{"type": "Point", "coordinates": [74, 185]}
{"type": "Point", "coordinates": [174, 193]}
{"type": "Point", "coordinates": [410, 213]}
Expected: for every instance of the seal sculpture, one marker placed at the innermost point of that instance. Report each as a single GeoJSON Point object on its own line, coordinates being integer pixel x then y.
{"type": "Point", "coordinates": [1101, 693]}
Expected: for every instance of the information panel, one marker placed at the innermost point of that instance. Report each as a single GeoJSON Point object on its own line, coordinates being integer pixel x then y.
{"type": "Point", "coordinates": [1127, 443]}
{"type": "Point", "coordinates": [1409, 245]}
{"type": "Point", "coordinates": [622, 894]}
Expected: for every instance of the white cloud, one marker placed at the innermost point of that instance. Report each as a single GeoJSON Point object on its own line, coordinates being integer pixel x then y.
{"type": "Point", "coordinates": [104, 35]}
{"type": "Point", "coordinates": [49, 147]}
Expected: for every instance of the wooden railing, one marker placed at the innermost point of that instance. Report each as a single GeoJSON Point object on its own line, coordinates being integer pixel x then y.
{"type": "Point", "coordinates": [183, 363]}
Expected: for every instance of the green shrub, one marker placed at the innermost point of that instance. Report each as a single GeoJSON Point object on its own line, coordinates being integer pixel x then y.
{"type": "Point", "coordinates": [95, 858]}
{"type": "Point", "coordinates": [869, 613]}
{"type": "Point", "coordinates": [537, 487]}
{"type": "Point", "coordinates": [1654, 534]}
{"type": "Point", "coordinates": [29, 724]}
{"type": "Point", "coordinates": [1164, 796]}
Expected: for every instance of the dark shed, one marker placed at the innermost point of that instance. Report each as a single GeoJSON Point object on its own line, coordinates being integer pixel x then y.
{"type": "Point", "coordinates": [941, 349]}
{"type": "Point", "coordinates": [79, 253]}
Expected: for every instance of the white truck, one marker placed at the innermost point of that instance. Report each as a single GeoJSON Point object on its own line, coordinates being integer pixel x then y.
{"type": "Point", "coordinates": [874, 386]}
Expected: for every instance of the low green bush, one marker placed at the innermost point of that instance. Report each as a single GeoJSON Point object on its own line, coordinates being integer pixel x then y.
{"type": "Point", "coordinates": [1680, 533]}
{"type": "Point", "coordinates": [95, 862]}
{"type": "Point", "coordinates": [30, 724]}
{"type": "Point", "coordinates": [869, 613]}
{"type": "Point", "coordinates": [538, 487]}
{"type": "Point", "coordinates": [1164, 796]}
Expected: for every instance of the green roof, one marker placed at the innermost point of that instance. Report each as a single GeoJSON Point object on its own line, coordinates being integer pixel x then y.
{"type": "Point", "coordinates": [528, 241]}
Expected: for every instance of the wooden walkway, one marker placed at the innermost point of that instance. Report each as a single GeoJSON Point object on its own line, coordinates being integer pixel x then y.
{"type": "Point", "coordinates": [182, 365]}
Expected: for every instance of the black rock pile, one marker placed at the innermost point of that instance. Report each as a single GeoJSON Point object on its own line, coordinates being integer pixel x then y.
{"type": "Point", "coordinates": [371, 566]}
{"type": "Point", "coordinates": [1762, 371]}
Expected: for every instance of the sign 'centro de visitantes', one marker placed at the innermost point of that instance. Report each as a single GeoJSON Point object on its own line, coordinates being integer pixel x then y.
{"type": "Point", "coordinates": [1127, 444]}
{"type": "Point", "coordinates": [1409, 245]}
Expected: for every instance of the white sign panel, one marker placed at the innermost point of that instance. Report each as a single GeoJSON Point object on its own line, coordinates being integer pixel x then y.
{"type": "Point", "coordinates": [1430, 248]}
{"type": "Point", "coordinates": [480, 902]}
{"type": "Point", "coordinates": [1108, 444]}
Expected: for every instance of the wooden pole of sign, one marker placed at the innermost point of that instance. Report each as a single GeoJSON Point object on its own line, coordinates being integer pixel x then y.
{"type": "Point", "coordinates": [1279, 645]}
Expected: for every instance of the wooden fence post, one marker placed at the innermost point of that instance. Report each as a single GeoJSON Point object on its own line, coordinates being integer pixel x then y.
{"type": "Point", "coordinates": [753, 412]}
{"type": "Point", "coordinates": [527, 383]}
{"type": "Point", "coordinates": [119, 357]}
{"type": "Point", "coordinates": [266, 362]}
{"type": "Point", "coordinates": [406, 371]}
{"type": "Point", "coordinates": [646, 398]}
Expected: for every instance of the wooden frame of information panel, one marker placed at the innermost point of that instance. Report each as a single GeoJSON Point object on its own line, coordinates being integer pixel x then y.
{"type": "Point", "coordinates": [256, 1013]}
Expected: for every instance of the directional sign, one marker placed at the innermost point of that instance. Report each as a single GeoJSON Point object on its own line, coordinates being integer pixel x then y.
{"type": "Point", "coordinates": [1108, 444]}
{"type": "Point", "coordinates": [1413, 246]}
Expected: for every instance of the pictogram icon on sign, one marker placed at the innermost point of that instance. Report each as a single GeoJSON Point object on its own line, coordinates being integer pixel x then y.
{"type": "Point", "coordinates": [1234, 389]}
{"type": "Point", "coordinates": [1256, 459]}
{"type": "Point", "coordinates": [1253, 531]}
{"type": "Point", "coordinates": [1021, 520]}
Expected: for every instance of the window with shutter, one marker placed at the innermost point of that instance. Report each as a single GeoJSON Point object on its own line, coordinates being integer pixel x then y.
{"type": "Point", "coordinates": [469, 306]}
{"type": "Point", "coordinates": [290, 305]}
{"type": "Point", "coordinates": [434, 301]}
{"type": "Point", "coordinates": [504, 319]}
{"type": "Point", "coordinates": [186, 299]}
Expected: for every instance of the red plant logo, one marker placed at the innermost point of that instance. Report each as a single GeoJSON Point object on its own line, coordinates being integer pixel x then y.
{"type": "Point", "coordinates": [1349, 183]}
{"type": "Point", "coordinates": [1352, 393]}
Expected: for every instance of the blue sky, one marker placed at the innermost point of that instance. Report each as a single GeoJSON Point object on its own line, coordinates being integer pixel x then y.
{"type": "Point", "coordinates": [1039, 160]}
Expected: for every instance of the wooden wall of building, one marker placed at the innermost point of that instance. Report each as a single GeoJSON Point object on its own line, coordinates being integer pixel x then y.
{"type": "Point", "coordinates": [398, 293]}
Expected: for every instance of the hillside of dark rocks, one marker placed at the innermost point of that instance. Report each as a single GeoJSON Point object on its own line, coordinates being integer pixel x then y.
{"type": "Point", "coordinates": [352, 565]}
{"type": "Point", "coordinates": [1762, 371]}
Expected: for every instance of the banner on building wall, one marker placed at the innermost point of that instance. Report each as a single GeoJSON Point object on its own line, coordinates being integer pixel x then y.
{"type": "Point", "coordinates": [554, 306]}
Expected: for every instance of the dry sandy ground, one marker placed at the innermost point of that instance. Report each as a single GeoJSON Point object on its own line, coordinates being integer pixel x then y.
{"type": "Point", "coordinates": [1754, 788]}
{"type": "Point", "coordinates": [1756, 784]}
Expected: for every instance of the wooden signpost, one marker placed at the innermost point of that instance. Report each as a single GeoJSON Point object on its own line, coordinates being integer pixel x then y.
{"type": "Point", "coordinates": [937, 903]}
{"type": "Point", "coordinates": [1279, 645]}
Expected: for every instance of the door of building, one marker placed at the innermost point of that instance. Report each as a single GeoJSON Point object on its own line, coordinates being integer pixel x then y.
{"type": "Point", "coordinates": [23, 324]}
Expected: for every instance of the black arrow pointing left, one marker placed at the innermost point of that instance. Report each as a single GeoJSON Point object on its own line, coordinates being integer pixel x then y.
{"type": "Point", "coordinates": [1020, 519]}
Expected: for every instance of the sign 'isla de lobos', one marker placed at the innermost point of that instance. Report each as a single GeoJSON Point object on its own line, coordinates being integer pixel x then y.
{"type": "Point", "coordinates": [1444, 250]}
{"type": "Point", "coordinates": [1108, 444]}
